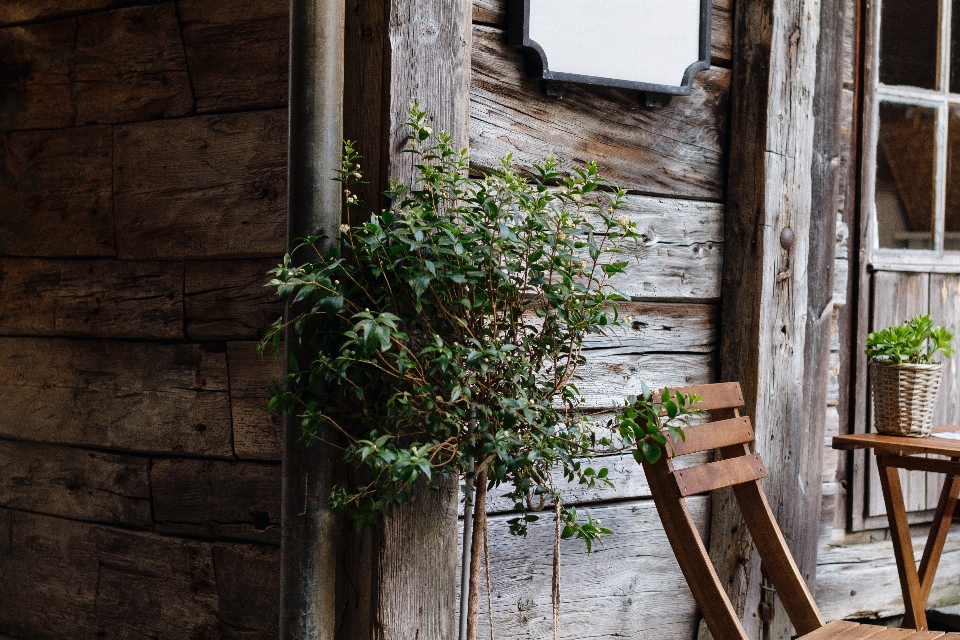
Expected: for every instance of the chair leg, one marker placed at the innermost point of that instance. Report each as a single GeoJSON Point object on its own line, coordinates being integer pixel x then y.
{"type": "Point", "coordinates": [938, 535]}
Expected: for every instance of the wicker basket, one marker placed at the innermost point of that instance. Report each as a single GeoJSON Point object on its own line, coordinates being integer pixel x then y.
{"type": "Point", "coordinates": [903, 397]}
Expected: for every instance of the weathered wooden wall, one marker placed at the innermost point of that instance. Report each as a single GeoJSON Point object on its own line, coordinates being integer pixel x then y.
{"type": "Point", "coordinates": [142, 199]}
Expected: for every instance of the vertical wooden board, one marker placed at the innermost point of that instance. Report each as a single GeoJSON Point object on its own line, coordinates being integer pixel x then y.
{"type": "Point", "coordinates": [18, 11]}
{"type": "Point", "coordinates": [897, 297]}
{"type": "Point", "coordinates": [131, 66]}
{"type": "Point", "coordinates": [91, 298]}
{"type": "Point", "coordinates": [631, 586]}
{"type": "Point", "coordinates": [75, 483]}
{"type": "Point", "coordinates": [242, 498]}
{"type": "Point", "coordinates": [674, 150]}
{"type": "Point", "coordinates": [256, 430]}
{"type": "Point", "coordinates": [36, 89]}
{"type": "Point", "coordinates": [202, 188]}
{"type": "Point", "coordinates": [248, 586]}
{"type": "Point", "coordinates": [56, 190]}
{"type": "Point", "coordinates": [945, 310]}
{"type": "Point", "coordinates": [150, 586]}
{"type": "Point", "coordinates": [49, 569]}
{"type": "Point", "coordinates": [169, 398]}
{"type": "Point", "coordinates": [237, 52]}
{"type": "Point", "coordinates": [229, 299]}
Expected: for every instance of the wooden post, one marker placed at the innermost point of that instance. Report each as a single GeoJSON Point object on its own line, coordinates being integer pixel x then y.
{"type": "Point", "coordinates": [399, 582]}
{"type": "Point", "coordinates": [776, 273]}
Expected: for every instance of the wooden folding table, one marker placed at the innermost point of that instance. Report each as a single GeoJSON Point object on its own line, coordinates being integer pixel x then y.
{"type": "Point", "coordinates": [900, 452]}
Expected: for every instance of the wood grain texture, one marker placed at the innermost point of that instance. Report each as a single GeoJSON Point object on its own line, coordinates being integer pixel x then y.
{"type": "Point", "coordinates": [169, 398]}
{"type": "Point", "coordinates": [205, 187]}
{"type": "Point", "coordinates": [248, 587]}
{"type": "Point", "coordinates": [616, 587]}
{"type": "Point", "coordinates": [256, 430]}
{"type": "Point", "coordinates": [765, 289]}
{"type": "Point", "coordinates": [607, 379]}
{"type": "Point", "coordinates": [17, 11]}
{"type": "Point", "coordinates": [91, 298]}
{"type": "Point", "coordinates": [659, 327]}
{"type": "Point", "coordinates": [675, 150]}
{"type": "Point", "coordinates": [229, 299]}
{"type": "Point", "coordinates": [237, 52]}
{"type": "Point", "coordinates": [56, 189]}
{"type": "Point", "coordinates": [493, 12]}
{"type": "Point", "coordinates": [238, 500]}
{"type": "Point", "coordinates": [75, 483]}
{"type": "Point", "coordinates": [111, 66]}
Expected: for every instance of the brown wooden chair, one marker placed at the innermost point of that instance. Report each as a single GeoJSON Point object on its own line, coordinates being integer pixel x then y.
{"type": "Point", "coordinates": [732, 434]}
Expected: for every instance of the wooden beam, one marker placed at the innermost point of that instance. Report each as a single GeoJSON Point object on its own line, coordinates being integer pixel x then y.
{"type": "Point", "coordinates": [765, 288]}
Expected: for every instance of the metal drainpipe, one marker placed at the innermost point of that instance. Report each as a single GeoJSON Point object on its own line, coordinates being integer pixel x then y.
{"type": "Point", "coordinates": [308, 553]}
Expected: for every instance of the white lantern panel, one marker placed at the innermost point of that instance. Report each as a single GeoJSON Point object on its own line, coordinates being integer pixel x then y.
{"type": "Point", "coordinates": [644, 41]}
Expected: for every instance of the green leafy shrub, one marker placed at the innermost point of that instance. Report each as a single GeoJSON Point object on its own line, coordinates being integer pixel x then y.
{"type": "Point", "coordinates": [915, 341]}
{"type": "Point", "coordinates": [450, 327]}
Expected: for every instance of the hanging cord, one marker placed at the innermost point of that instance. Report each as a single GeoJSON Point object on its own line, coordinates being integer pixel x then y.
{"type": "Point", "coordinates": [556, 568]}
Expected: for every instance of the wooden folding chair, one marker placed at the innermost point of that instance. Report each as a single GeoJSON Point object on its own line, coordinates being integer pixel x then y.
{"type": "Point", "coordinates": [732, 434]}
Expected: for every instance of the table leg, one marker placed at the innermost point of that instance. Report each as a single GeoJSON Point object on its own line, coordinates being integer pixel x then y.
{"type": "Point", "coordinates": [916, 615]}
{"type": "Point", "coordinates": [938, 535]}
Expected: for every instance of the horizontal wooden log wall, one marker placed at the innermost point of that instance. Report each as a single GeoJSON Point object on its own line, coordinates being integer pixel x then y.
{"type": "Point", "coordinates": [142, 200]}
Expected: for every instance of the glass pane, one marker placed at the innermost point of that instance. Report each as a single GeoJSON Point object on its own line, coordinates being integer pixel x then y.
{"type": "Point", "coordinates": [908, 42]}
{"type": "Point", "coordinates": [951, 238]}
{"type": "Point", "coordinates": [906, 156]}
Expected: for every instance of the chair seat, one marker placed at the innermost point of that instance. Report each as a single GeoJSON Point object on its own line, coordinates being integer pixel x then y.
{"type": "Point", "coordinates": [846, 630]}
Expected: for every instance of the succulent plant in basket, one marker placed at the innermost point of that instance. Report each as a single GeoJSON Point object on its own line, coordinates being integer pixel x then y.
{"type": "Point", "coordinates": [904, 376]}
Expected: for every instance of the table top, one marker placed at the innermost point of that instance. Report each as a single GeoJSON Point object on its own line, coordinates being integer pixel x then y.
{"type": "Point", "coordinates": [901, 444]}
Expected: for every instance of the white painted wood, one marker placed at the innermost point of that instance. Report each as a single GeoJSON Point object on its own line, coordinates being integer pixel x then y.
{"type": "Point", "coordinates": [630, 587]}
{"type": "Point", "coordinates": [647, 41]}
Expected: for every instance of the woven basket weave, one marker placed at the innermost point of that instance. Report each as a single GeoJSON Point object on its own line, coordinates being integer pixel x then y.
{"type": "Point", "coordinates": [903, 397]}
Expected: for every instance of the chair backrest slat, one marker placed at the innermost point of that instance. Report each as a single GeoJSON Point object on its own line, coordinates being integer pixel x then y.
{"type": "Point", "coordinates": [713, 435]}
{"type": "Point", "coordinates": [717, 475]}
{"type": "Point", "coordinates": [723, 395]}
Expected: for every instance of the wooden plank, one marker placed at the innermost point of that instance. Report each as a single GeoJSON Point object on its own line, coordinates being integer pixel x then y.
{"type": "Point", "coordinates": [672, 221]}
{"type": "Point", "coordinates": [237, 52]}
{"type": "Point", "coordinates": [248, 590]}
{"type": "Point", "coordinates": [256, 430]}
{"type": "Point", "coordinates": [713, 435]}
{"type": "Point", "coordinates": [493, 12]}
{"type": "Point", "coordinates": [831, 630]}
{"type": "Point", "coordinates": [945, 310]}
{"type": "Point", "coordinates": [91, 298]}
{"type": "Point", "coordinates": [717, 475]}
{"type": "Point", "coordinates": [897, 297]}
{"type": "Point", "coordinates": [223, 499]}
{"type": "Point", "coordinates": [134, 396]}
{"type": "Point", "coordinates": [721, 395]}
{"type": "Point", "coordinates": [149, 585]}
{"type": "Point", "coordinates": [20, 11]}
{"type": "Point", "coordinates": [111, 66]}
{"type": "Point", "coordinates": [205, 187]}
{"type": "Point", "coordinates": [615, 588]}
{"type": "Point", "coordinates": [229, 299]}
{"type": "Point", "coordinates": [75, 483]}
{"type": "Point", "coordinates": [674, 150]}
{"type": "Point", "coordinates": [670, 272]}
{"type": "Point", "coordinates": [660, 327]}
{"type": "Point", "coordinates": [606, 380]}
{"type": "Point", "coordinates": [56, 187]}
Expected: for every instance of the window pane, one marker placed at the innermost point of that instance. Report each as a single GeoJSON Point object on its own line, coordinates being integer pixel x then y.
{"type": "Point", "coordinates": [951, 239]}
{"type": "Point", "coordinates": [908, 42]}
{"type": "Point", "coordinates": [906, 156]}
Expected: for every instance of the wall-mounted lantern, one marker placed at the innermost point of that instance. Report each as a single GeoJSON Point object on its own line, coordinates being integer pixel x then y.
{"type": "Point", "coordinates": [654, 46]}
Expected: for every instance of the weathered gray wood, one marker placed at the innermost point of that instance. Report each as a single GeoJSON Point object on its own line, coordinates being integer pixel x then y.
{"type": "Point", "coordinates": [166, 398]}
{"type": "Point", "coordinates": [493, 12]}
{"type": "Point", "coordinates": [607, 379]}
{"type": "Point", "coordinates": [75, 483]}
{"type": "Point", "coordinates": [673, 150]}
{"type": "Point", "coordinates": [237, 52]}
{"type": "Point", "coordinates": [659, 327]}
{"type": "Point", "coordinates": [248, 589]}
{"type": "Point", "coordinates": [204, 187]}
{"type": "Point", "coordinates": [228, 299]}
{"type": "Point", "coordinates": [19, 11]}
{"type": "Point", "coordinates": [858, 577]}
{"type": "Point", "coordinates": [91, 298]}
{"type": "Point", "coordinates": [56, 189]}
{"type": "Point", "coordinates": [111, 66]}
{"type": "Point", "coordinates": [256, 430]}
{"type": "Point", "coordinates": [239, 500]}
{"type": "Point", "coordinates": [671, 272]}
{"type": "Point", "coordinates": [765, 287]}
{"type": "Point", "coordinates": [610, 593]}
{"type": "Point", "coordinates": [675, 222]}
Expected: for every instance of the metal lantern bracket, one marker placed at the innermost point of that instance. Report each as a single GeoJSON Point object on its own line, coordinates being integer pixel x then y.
{"type": "Point", "coordinates": [552, 85]}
